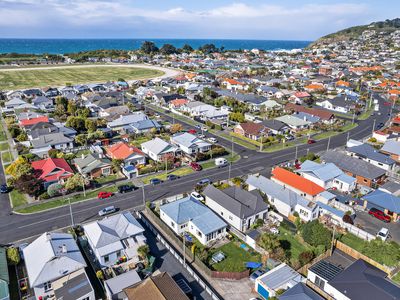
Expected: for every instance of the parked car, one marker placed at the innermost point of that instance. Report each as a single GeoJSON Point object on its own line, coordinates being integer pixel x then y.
{"type": "Point", "coordinates": [155, 181]}
{"type": "Point", "coordinates": [256, 274]}
{"type": "Point", "coordinates": [311, 141]}
{"type": "Point", "coordinates": [172, 177]}
{"type": "Point", "coordinates": [380, 126]}
{"type": "Point", "coordinates": [204, 128]}
{"type": "Point", "coordinates": [104, 195]}
{"type": "Point", "coordinates": [383, 234]}
{"type": "Point", "coordinates": [221, 162]}
{"type": "Point", "coordinates": [289, 137]}
{"type": "Point", "coordinates": [212, 140]}
{"type": "Point", "coordinates": [204, 181]}
{"type": "Point", "coordinates": [197, 196]}
{"type": "Point", "coordinates": [195, 166]}
{"type": "Point", "coordinates": [192, 131]}
{"type": "Point", "coordinates": [3, 189]}
{"type": "Point", "coordinates": [126, 188]}
{"type": "Point", "coordinates": [107, 210]}
{"type": "Point", "coordinates": [380, 215]}
{"type": "Point", "coordinates": [197, 126]}
{"type": "Point", "coordinates": [201, 136]}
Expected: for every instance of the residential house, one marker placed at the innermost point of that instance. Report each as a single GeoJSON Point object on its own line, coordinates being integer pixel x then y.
{"type": "Point", "coordinates": [189, 143]}
{"type": "Point", "coordinates": [281, 277]}
{"type": "Point", "coordinates": [114, 112]}
{"type": "Point", "coordinates": [76, 286]}
{"type": "Point", "coordinates": [322, 272]}
{"type": "Point", "coordinates": [234, 85]}
{"type": "Point", "coordinates": [251, 130]}
{"type": "Point", "coordinates": [43, 128]}
{"type": "Point", "coordinates": [299, 97]}
{"type": "Point", "coordinates": [4, 276]}
{"type": "Point", "coordinates": [115, 237]}
{"type": "Point", "coordinates": [50, 92]}
{"type": "Point", "coordinates": [114, 287]}
{"type": "Point", "coordinates": [293, 122]}
{"type": "Point", "coordinates": [302, 186]}
{"type": "Point", "coordinates": [387, 202]}
{"type": "Point", "coordinates": [29, 122]}
{"type": "Point", "coordinates": [392, 148]}
{"type": "Point", "coordinates": [204, 111]}
{"type": "Point", "coordinates": [125, 121]}
{"type": "Point", "coordinates": [12, 104]}
{"type": "Point", "coordinates": [236, 206]}
{"type": "Point", "coordinates": [164, 99]}
{"type": "Point", "coordinates": [285, 201]}
{"type": "Point", "coordinates": [159, 150]}
{"type": "Point", "coordinates": [365, 173]}
{"type": "Point", "coordinates": [300, 291]}
{"type": "Point", "coordinates": [341, 104]}
{"type": "Point", "coordinates": [177, 104]}
{"type": "Point", "coordinates": [52, 260]}
{"type": "Point", "coordinates": [156, 287]}
{"type": "Point", "coordinates": [31, 93]}
{"type": "Point", "coordinates": [52, 170]}
{"type": "Point", "coordinates": [43, 143]}
{"type": "Point", "coordinates": [275, 127]}
{"type": "Point", "coordinates": [93, 165]}
{"type": "Point", "coordinates": [128, 154]}
{"type": "Point", "coordinates": [325, 116]}
{"type": "Point", "coordinates": [327, 176]}
{"type": "Point", "coordinates": [371, 155]}
{"type": "Point", "coordinates": [143, 126]}
{"type": "Point", "coordinates": [189, 215]}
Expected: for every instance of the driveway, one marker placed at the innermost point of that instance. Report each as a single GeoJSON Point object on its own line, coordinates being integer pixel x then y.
{"type": "Point", "coordinates": [373, 225]}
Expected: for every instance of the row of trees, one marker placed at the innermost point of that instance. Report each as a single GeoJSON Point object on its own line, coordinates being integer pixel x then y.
{"type": "Point", "coordinates": [149, 47]}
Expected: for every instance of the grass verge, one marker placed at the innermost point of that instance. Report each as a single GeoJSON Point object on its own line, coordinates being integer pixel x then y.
{"type": "Point", "coordinates": [163, 176]}
{"type": "Point", "coordinates": [17, 199]}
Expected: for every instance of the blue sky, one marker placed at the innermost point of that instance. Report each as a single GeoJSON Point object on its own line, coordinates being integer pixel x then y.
{"type": "Point", "coordinates": [243, 19]}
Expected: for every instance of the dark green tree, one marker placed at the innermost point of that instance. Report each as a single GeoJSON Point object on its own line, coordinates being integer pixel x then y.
{"type": "Point", "coordinates": [149, 47]}
{"type": "Point", "coordinates": [168, 49]}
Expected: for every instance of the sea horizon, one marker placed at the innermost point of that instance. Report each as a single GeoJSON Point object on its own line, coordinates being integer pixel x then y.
{"type": "Point", "coordinates": [71, 45]}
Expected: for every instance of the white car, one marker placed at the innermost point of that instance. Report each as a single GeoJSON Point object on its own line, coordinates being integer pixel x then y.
{"type": "Point", "coordinates": [107, 210]}
{"type": "Point", "coordinates": [212, 140]}
{"type": "Point", "coordinates": [383, 234]}
{"type": "Point", "coordinates": [204, 128]}
{"type": "Point", "coordinates": [201, 136]}
{"type": "Point", "coordinates": [197, 196]}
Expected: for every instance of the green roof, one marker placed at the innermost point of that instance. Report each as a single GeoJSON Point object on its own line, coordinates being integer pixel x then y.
{"type": "Point", "coordinates": [3, 265]}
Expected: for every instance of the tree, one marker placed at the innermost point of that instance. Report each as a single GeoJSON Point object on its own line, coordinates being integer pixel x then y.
{"type": "Point", "coordinates": [187, 48]}
{"type": "Point", "coordinates": [175, 128]}
{"type": "Point", "coordinates": [208, 48]}
{"type": "Point", "coordinates": [14, 130]}
{"type": "Point", "coordinates": [81, 139]}
{"type": "Point", "coordinates": [90, 125]}
{"type": "Point", "coordinates": [29, 184]}
{"type": "Point", "coordinates": [77, 123]}
{"type": "Point", "coordinates": [305, 257]}
{"type": "Point", "coordinates": [13, 257]}
{"type": "Point", "coordinates": [143, 251]}
{"type": "Point", "coordinates": [100, 275]}
{"type": "Point", "coordinates": [149, 47]}
{"type": "Point", "coordinates": [168, 49]}
{"type": "Point", "coordinates": [74, 182]}
{"type": "Point", "coordinates": [62, 101]}
{"type": "Point", "coordinates": [22, 137]}
{"type": "Point", "coordinates": [316, 234]}
{"type": "Point", "coordinates": [19, 167]}
{"type": "Point", "coordinates": [71, 108]}
{"type": "Point", "coordinates": [347, 219]}
{"type": "Point", "coordinates": [54, 189]}
{"type": "Point", "coordinates": [116, 164]}
{"type": "Point", "coordinates": [236, 117]}
{"type": "Point", "coordinates": [269, 242]}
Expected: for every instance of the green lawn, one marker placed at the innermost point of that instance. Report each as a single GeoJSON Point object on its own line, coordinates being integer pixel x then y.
{"type": "Point", "coordinates": [280, 146]}
{"type": "Point", "coordinates": [396, 278]}
{"type": "Point", "coordinates": [365, 115]}
{"type": "Point", "coordinates": [327, 134]}
{"type": "Point", "coordinates": [236, 258]}
{"type": "Point", "coordinates": [292, 244]}
{"type": "Point", "coordinates": [3, 146]}
{"type": "Point", "coordinates": [235, 140]}
{"type": "Point", "coordinates": [163, 176]}
{"type": "Point", "coordinates": [62, 202]}
{"type": "Point", "coordinates": [3, 136]}
{"type": "Point", "coordinates": [106, 179]}
{"type": "Point", "coordinates": [17, 199]}
{"type": "Point", "coordinates": [16, 79]}
{"type": "Point", "coordinates": [6, 157]}
{"type": "Point", "coordinates": [208, 164]}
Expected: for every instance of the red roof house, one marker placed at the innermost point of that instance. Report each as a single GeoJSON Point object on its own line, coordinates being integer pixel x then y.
{"type": "Point", "coordinates": [127, 153]}
{"type": "Point", "coordinates": [52, 170]}
{"type": "Point", "coordinates": [33, 121]}
{"type": "Point", "coordinates": [298, 184]}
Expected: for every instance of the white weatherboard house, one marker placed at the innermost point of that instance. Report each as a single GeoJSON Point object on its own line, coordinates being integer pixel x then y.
{"type": "Point", "coordinates": [236, 206]}
{"type": "Point", "coordinates": [327, 176]}
{"type": "Point", "coordinates": [189, 143]}
{"type": "Point", "coordinates": [284, 200]}
{"type": "Point", "coordinates": [52, 260]}
{"type": "Point", "coordinates": [114, 237]}
{"type": "Point", "coordinates": [158, 149]}
{"type": "Point", "coordinates": [190, 215]}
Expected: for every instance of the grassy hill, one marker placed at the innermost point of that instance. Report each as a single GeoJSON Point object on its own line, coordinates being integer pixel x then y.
{"type": "Point", "coordinates": [354, 32]}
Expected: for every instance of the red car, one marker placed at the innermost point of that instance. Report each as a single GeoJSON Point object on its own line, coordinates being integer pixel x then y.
{"type": "Point", "coordinates": [380, 215]}
{"type": "Point", "coordinates": [192, 131]}
{"type": "Point", "coordinates": [104, 195]}
{"type": "Point", "coordinates": [195, 166]}
{"type": "Point", "coordinates": [310, 141]}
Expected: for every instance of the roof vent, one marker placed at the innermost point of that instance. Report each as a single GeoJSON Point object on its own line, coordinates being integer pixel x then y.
{"type": "Point", "coordinates": [64, 249]}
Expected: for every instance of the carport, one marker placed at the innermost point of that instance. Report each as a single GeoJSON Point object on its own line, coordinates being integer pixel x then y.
{"type": "Point", "coordinates": [386, 202]}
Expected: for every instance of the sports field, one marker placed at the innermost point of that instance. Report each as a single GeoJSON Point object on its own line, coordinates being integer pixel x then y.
{"type": "Point", "coordinates": [59, 76]}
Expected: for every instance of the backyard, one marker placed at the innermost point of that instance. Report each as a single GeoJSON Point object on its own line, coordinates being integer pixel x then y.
{"type": "Point", "coordinates": [292, 244]}
{"type": "Point", "coordinates": [18, 79]}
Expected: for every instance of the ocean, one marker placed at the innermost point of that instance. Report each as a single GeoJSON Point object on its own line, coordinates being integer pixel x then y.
{"type": "Point", "coordinates": [62, 46]}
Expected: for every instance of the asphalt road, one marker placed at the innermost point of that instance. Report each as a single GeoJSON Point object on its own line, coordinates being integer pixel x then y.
{"type": "Point", "coordinates": [14, 227]}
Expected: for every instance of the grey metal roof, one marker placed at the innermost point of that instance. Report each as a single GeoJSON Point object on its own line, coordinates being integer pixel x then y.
{"type": "Point", "coordinates": [300, 292]}
{"type": "Point", "coordinates": [362, 281]}
{"type": "Point", "coordinates": [239, 202]}
{"type": "Point", "coordinates": [128, 119]}
{"type": "Point", "coordinates": [74, 288]}
{"type": "Point", "coordinates": [274, 124]}
{"type": "Point", "coordinates": [55, 138]}
{"type": "Point", "coordinates": [183, 210]}
{"type": "Point", "coordinates": [352, 165]}
{"type": "Point", "coordinates": [385, 200]}
{"type": "Point", "coordinates": [188, 140]}
{"type": "Point", "coordinates": [158, 146]}
{"type": "Point", "coordinates": [392, 147]}
{"type": "Point", "coordinates": [324, 172]}
{"type": "Point", "coordinates": [325, 270]}
{"type": "Point", "coordinates": [91, 162]}
{"type": "Point", "coordinates": [279, 277]}
{"type": "Point", "coordinates": [367, 151]}
{"type": "Point", "coordinates": [120, 282]}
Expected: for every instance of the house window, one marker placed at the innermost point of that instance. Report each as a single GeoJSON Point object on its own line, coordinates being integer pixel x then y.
{"type": "Point", "coordinates": [106, 258]}
{"type": "Point", "coordinates": [199, 233]}
{"type": "Point", "coordinates": [119, 253]}
{"type": "Point", "coordinates": [47, 286]}
{"type": "Point", "coordinates": [222, 213]}
{"type": "Point", "coordinates": [172, 224]}
{"type": "Point", "coordinates": [319, 282]}
{"type": "Point", "coordinates": [106, 171]}
{"type": "Point", "coordinates": [86, 298]}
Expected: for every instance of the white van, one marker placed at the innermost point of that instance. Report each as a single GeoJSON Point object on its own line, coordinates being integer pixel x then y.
{"type": "Point", "coordinates": [107, 210]}
{"type": "Point", "coordinates": [221, 162]}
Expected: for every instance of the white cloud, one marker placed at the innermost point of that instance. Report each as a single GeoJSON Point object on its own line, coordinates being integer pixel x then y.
{"type": "Point", "coordinates": [239, 19]}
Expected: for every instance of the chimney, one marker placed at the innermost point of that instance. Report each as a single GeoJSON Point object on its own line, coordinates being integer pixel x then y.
{"type": "Point", "coordinates": [64, 249]}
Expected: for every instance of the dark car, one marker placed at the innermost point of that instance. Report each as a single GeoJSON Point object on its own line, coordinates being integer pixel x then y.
{"type": "Point", "coordinates": [155, 181]}
{"type": "Point", "coordinates": [125, 188]}
{"type": "Point", "coordinates": [195, 166]}
{"type": "Point", "coordinates": [172, 177]}
{"type": "Point", "coordinates": [204, 181]}
{"type": "Point", "coordinates": [256, 274]}
{"type": "Point", "coordinates": [311, 142]}
{"type": "Point", "coordinates": [380, 215]}
{"type": "Point", "coordinates": [380, 125]}
{"type": "Point", "coordinates": [3, 189]}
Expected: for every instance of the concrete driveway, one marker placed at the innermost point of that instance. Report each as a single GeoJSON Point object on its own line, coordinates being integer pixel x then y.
{"type": "Point", "coordinates": [373, 225]}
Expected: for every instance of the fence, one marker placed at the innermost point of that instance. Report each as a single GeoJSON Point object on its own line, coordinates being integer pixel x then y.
{"type": "Point", "coordinates": [303, 270]}
{"type": "Point", "coordinates": [355, 230]}
{"type": "Point", "coordinates": [357, 255]}
{"type": "Point", "coordinates": [214, 295]}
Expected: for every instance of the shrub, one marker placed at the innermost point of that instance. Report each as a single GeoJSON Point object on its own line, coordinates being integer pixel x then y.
{"type": "Point", "coordinates": [44, 196]}
{"type": "Point", "coordinates": [13, 257]}
{"type": "Point", "coordinates": [305, 257]}
{"type": "Point", "coordinates": [100, 275]}
{"type": "Point", "coordinates": [347, 219]}
{"type": "Point", "coordinates": [314, 233]}
{"type": "Point", "coordinates": [54, 189]}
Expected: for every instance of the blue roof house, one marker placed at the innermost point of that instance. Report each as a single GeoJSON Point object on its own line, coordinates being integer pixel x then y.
{"type": "Point", "coordinates": [189, 215]}
{"type": "Point", "coordinates": [388, 203]}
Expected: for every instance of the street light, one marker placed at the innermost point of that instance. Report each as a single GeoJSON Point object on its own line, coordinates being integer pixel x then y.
{"type": "Point", "coordinates": [64, 192]}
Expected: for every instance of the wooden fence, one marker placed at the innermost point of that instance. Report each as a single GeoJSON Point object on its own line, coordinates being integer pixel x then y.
{"type": "Point", "coordinates": [304, 269]}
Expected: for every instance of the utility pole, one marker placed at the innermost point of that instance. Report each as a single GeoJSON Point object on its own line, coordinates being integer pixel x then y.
{"type": "Point", "coordinates": [70, 212]}
{"type": "Point", "coordinates": [354, 116]}
{"type": "Point", "coordinates": [295, 156]}
{"type": "Point", "coordinates": [83, 186]}
{"type": "Point", "coordinates": [229, 171]}
{"type": "Point", "coordinates": [261, 144]}
{"type": "Point", "coordinates": [166, 165]}
{"type": "Point", "coordinates": [333, 239]}
{"type": "Point", "coordinates": [308, 150]}
{"type": "Point", "coordinates": [183, 250]}
{"type": "Point", "coordinates": [144, 198]}
{"type": "Point", "coordinates": [348, 136]}
{"type": "Point", "coordinates": [373, 126]}
{"type": "Point", "coordinates": [329, 141]}
{"type": "Point", "coordinates": [232, 148]}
